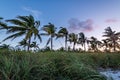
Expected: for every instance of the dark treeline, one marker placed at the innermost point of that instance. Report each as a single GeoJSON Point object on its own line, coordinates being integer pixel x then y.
{"type": "Point", "coordinates": [28, 27]}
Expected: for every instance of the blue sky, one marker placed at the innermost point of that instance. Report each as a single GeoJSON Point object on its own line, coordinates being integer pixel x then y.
{"type": "Point", "coordinates": [88, 16]}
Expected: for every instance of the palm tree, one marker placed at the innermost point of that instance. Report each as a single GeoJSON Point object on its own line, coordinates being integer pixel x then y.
{"type": "Point", "coordinates": [23, 43]}
{"type": "Point", "coordinates": [94, 43]}
{"type": "Point", "coordinates": [107, 44]}
{"type": "Point", "coordinates": [63, 32]}
{"type": "Point", "coordinates": [24, 25]}
{"type": "Point", "coordinates": [50, 30]}
{"type": "Point", "coordinates": [112, 37]}
{"type": "Point", "coordinates": [82, 40]}
{"type": "Point", "coordinates": [34, 45]}
{"type": "Point", "coordinates": [5, 46]}
{"type": "Point", "coordinates": [72, 37]}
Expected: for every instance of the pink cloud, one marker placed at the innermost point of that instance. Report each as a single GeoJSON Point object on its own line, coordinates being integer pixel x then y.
{"type": "Point", "coordinates": [111, 20]}
{"type": "Point", "coordinates": [75, 25]}
{"type": "Point", "coordinates": [88, 29]}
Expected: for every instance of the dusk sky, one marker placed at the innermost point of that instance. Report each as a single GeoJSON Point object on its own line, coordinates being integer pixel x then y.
{"type": "Point", "coordinates": [88, 16]}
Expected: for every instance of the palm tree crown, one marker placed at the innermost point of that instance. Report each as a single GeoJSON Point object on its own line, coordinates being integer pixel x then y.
{"type": "Point", "coordinates": [94, 43]}
{"type": "Point", "coordinates": [112, 37]}
{"type": "Point", "coordinates": [24, 25]}
{"type": "Point", "coordinates": [72, 37]}
{"type": "Point", "coordinates": [50, 30]}
{"type": "Point", "coordinates": [63, 32]}
{"type": "Point", "coordinates": [82, 40]}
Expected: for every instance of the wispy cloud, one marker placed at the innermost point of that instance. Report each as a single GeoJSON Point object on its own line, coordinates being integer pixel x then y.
{"type": "Point", "coordinates": [76, 25]}
{"type": "Point", "coordinates": [34, 12]}
{"type": "Point", "coordinates": [112, 20]}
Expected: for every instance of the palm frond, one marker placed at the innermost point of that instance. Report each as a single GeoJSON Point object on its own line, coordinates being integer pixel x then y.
{"type": "Point", "coordinates": [3, 25]}
{"type": "Point", "coordinates": [13, 36]}
{"type": "Point", "coordinates": [12, 29]}
{"type": "Point", "coordinates": [37, 24]}
{"type": "Point", "coordinates": [23, 18]}
{"type": "Point", "coordinates": [44, 34]}
{"type": "Point", "coordinates": [1, 18]}
{"type": "Point", "coordinates": [17, 22]}
{"type": "Point", "coordinates": [39, 37]}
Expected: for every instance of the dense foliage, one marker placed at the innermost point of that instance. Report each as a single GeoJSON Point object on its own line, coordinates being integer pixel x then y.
{"type": "Point", "coordinates": [55, 65]}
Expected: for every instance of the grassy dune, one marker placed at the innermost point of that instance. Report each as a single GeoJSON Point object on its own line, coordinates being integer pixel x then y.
{"type": "Point", "coordinates": [55, 65]}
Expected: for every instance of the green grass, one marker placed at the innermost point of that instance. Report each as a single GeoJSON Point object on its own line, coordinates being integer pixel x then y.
{"type": "Point", "coordinates": [55, 65]}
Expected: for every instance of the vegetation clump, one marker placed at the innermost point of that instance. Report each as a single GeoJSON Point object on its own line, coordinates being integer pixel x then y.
{"type": "Point", "coordinates": [55, 65]}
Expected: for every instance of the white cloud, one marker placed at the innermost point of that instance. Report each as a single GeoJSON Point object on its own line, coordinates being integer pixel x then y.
{"type": "Point", "coordinates": [35, 13]}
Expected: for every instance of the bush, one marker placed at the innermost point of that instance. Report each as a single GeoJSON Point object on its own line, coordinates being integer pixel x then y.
{"type": "Point", "coordinates": [52, 65]}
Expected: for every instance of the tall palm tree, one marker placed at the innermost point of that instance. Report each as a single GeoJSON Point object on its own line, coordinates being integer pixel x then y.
{"type": "Point", "coordinates": [50, 30]}
{"type": "Point", "coordinates": [63, 32]}
{"type": "Point", "coordinates": [73, 38]}
{"type": "Point", "coordinates": [82, 40]}
{"type": "Point", "coordinates": [112, 37]}
{"type": "Point", "coordinates": [24, 25]}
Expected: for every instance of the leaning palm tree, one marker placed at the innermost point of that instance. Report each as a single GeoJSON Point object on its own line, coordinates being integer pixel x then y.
{"type": "Point", "coordinates": [50, 30]}
{"type": "Point", "coordinates": [112, 37]}
{"type": "Point", "coordinates": [63, 32]}
{"type": "Point", "coordinates": [73, 38]}
{"type": "Point", "coordinates": [82, 40]}
{"type": "Point", "coordinates": [24, 25]}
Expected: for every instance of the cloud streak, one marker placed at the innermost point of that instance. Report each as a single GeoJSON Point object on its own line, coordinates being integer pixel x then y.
{"type": "Point", "coordinates": [35, 13]}
{"type": "Point", "coordinates": [112, 20]}
{"type": "Point", "coordinates": [76, 25]}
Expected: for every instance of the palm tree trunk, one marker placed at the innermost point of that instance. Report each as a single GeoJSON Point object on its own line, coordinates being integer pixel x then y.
{"type": "Point", "coordinates": [106, 47]}
{"type": "Point", "coordinates": [84, 47]}
{"type": "Point", "coordinates": [66, 43]}
{"type": "Point", "coordinates": [51, 42]}
{"type": "Point", "coordinates": [29, 44]}
{"type": "Point", "coordinates": [114, 46]}
{"type": "Point", "coordinates": [24, 48]}
{"type": "Point", "coordinates": [73, 46]}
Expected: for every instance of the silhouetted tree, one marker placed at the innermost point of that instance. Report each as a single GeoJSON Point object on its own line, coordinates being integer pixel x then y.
{"type": "Point", "coordinates": [24, 25]}
{"type": "Point", "coordinates": [63, 32]}
{"type": "Point", "coordinates": [73, 38]}
{"type": "Point", "coordinates": [112, 37]}
{"type": "Point", "coordinates": [50, 30]}
{"type": "Point", "coordinates": [94, 43]}
{"type": "Point", "coordinates": [82, 40]}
